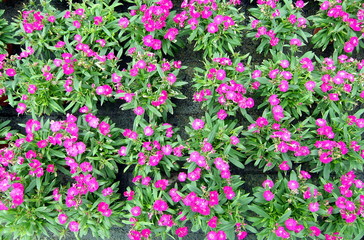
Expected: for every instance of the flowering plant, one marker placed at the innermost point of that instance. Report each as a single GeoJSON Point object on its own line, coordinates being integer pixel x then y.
{"type": "Point", "coordinates": [149, 24]}
{"type": "Point", "coordinates": [90, 26]}
{"type": "Point", "coordinates": [59, 176]}
{"type": "Point", "coordinates": [213, 26]}
{"type": "Point", "coordinates": [148, 84]}
{"type": "Point", "coordinates": [168, 193]}
{"type": "Point", "coordinates": [225, 81]}
{"type": "Point", "coordinates": [56, 85]}
{"type": "Point", "coordinates": [339, 23]}
{"type": "Point", "coordinates": [293, 207]}
{"type": "Point", "coordinates": [277, 24]}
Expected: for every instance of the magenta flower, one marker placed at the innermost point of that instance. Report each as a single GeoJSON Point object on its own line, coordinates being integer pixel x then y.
{"type": "Point", "coordinates": [62, 218]}
{"type": "Point", "coordinates": [293, 185]}
{"type": "Point", "coordinates": [123, 22]}
{"type": "Point", "coordinates": [281, 232]}
{"type": "Point", "coordinates": [222, 114]}
{"type": "Point", "coordinates": [310, 85]}
{"type": "Point", "coordinates": [284, 166]}
{"type": "Point", "coordinates": [291, 224]}
{"type": "Point", "coordinates": [98, 20]}
{"type": "Point", "coordinates": [21, 108]}
{"type": "Point", "coordinates": [76, 24]}
{"type": "Point", "coordinates": [220, 74]}
{"type": "Point", "coordinates": [341, 202]}
{"type": "Point", "coordinates": [181, 232]}
{"type": "Point", "coordinates": [136, 211]}
{"type": "Point", "coordinates": [198, 124]}
{"type": "Point", "coordinates": [148, 131]}
{"type": "Point", "coordinates": [334, 96]}
{"type": "Point", "coordinates": [182, 176]}
{"type": "Point", "coordinates": [268, 183]}
{"type": "Point", "coordinates": [212, 223]}
{"type": "Point", "coordinates": [74, 226]}
{"type": "Point", "coordinates": [295, 41]}
{"type": "Point", "coordinates": [329, 187]}
{"type": "Point", "coordinates": [160, 205]}
{"type": "Point", "coordinates": [314, 207]}
{"type": "Point", "coordinates": [315, 231]}
{"type": "Point", "coordinates": [234, 140]}
{"type": "Point", "coordinates": [10, 72]}
{"type": "Point", "coordinates": [268, 195]}
{"type": "Point", "coordinates": [212, 27]}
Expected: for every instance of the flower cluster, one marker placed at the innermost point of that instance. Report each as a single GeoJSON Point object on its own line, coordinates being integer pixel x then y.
{"type": "Point", "coordinates": [55, 150]}
{"type": "Point", "coordinates": [333, 15]}
{"type": "Point", "coordinates": [276, 24]}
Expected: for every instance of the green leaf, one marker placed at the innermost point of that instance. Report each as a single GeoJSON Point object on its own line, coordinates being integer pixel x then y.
{"type": "Point", "coordinates": [154, 110]}
{"type": "Point", "coordinates": [236, 162]}
{"type": "Point", "coordinates": [285, 216]}
{"type": "Point", "coordinates": [259, 211]}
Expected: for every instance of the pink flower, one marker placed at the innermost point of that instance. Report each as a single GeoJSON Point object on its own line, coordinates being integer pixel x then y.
{"type": "Point", "coordinates": [198, 124]}
{"type": "Point", "coordinates": [341, 202]}
{"type": "Point", "coordinates": [102, 207]}
{"type": "Point", "coordinates": [62, 218]}
{"type": "Point", "coordinates": [234, 140]}
{"type": "Point", "coordinates": [315, 231]}
{"type": "Point", "coordinates": [10, 72]}
{"type": "Point", "coordinates": [136, 211]}
{"type": "Point", "coordinates": [123, 22]}
{"type": "Point", "coordinates": [256, 74]}
{"type": "Point", "coordinates": [171, 34]}
{"type": "Point", "coordinates": [284, 166]}
{"type": "Point", "coordinates": [73, 226]}
{"type": "Point", "coordinates": [261, 122]}
{"type": "Point", "coordinates": [76, 24]}
{"type": "Point", "coordinates": [21, 108]}
{"type": "Point", "coordinates": [60, 44]}
{"type": "Point", "coordinates": [293, 185]}
{"type": "Point", "coordinates": [160, 205]}
{"type": "Point", "coordinates": [291, 224]}
{"type": "Point", "coordinates": [329, 187]}
{"type": "Point", "coordinates": [348, 47]}
{"type": "Point", "coordinates": [229, 192]}
{"type": "Point", "coordinates": [295, 41]}
{"type": "Point", "coordinates": [148, 131]}
{"type": "Point", "coordinates": [281, 232]}
{"type": "Point", "coordinates": [284, 63]}
{"type": "Point", "coordinates": [320, 122]}
{"type": "Point", "coordinates": [240, 67]}
{"type": "Point", "coordinates": [314, 207]}
{"type": "Point", "coordinates": [182, 176]}
{"type": "Point", "coordinates": [221, 114]}
{"type": "Point", "coordinates": [310, 85]}
{"type": "Point", "coordinates": [300, 4]}
{"type": "Point", "coordinates": [268, 195]}
{"type": "Point", "coordinates": [334, 96]}
{"type": "Point", "coordinates": [283, 87]}
{"type": "Point", "coordinates": [212, 27]}
{"type": "Point", "coordinates": [220, 74]}
{"type": "Point", "coordinates": [98, 20]}
{"type": "Point", "coordinates": [268, 183]}
{"type": "Point", "coordinates": [182, 232]}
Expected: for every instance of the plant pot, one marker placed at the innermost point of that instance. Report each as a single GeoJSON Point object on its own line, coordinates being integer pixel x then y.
{"type": "Point", "coordinates": [10, 48]}
{"type": "Point", "coordinates": [316, 30]}
{"type": "Point", "coordinates": [3, 145]}
{"type": "Point", "coordinates": [3, 101]}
